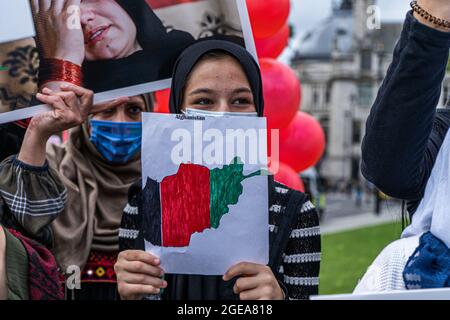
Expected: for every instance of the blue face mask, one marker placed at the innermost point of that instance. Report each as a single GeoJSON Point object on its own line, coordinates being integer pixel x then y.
{"type": "Point", "coordinates": [117, 142]}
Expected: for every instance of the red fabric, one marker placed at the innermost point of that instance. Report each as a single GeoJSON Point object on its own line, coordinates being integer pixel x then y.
{"type": "Point", "coordinates": [185, 205]}
{"type": "Point", "coordinates": [23, 123]}
{"type": "Point", "coordinates": [43, 276]}
{"type": "Point", "coordinates": [157, 4]}
{"type": "Point", "coordinates": [60, 70]}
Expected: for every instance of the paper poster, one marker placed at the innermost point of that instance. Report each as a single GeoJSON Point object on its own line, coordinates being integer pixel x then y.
{"type": "Point", "coordinates": [16, 21]}
{"type": "Point", "coordinates": [205, 192]}
{"type": "Point", "coordinates": [129, 47]}
{"type": "Point", "coordinates": [424, 294]}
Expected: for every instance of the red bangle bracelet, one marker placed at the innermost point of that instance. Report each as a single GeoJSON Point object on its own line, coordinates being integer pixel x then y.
{"type": "Point", "coordinates": [60, 70]}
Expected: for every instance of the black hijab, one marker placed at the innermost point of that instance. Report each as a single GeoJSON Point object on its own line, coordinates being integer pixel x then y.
{"type": "Point", "coordinates": [194, 287]}
{"type": "Point", "coordinates": [193, 54]}
{"type": "Point", "coordinates": [154, 62]}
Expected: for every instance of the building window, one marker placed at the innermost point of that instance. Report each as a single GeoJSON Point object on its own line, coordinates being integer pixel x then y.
{"type": "Point", "coordinates": [366, 96]}
{"type": "Point", "coordinates": [315, 97]}
{"type": "Point", "coordinates": [325, 123]}
{"type": "Point", "coordinates": [366, 60]}
{"type": "Point", "coordinates": [328, 93]}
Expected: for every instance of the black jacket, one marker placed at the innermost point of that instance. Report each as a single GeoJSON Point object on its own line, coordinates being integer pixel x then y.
{"type": "Point", "coordinates": [11, 137]}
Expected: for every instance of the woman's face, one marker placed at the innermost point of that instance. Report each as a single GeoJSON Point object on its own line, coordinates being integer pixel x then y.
{"type": "Point", "coordinates": [109, 32]}
{"type": "Point", "coordinates": [128, 112]}
{"type": "Point", "coordinates": [218, 84]}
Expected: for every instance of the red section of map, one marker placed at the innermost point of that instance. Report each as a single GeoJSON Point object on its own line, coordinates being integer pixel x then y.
{"type": "Point", "coordinates": [157, 4]}
{"type": "Point", "coordinates": [185, 205]}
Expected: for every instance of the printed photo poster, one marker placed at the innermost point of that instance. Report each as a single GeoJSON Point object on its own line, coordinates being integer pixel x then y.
{"type": "Point", "coordinates": [129, 47]}
{"type": "Point", "coordinates": [205, 192]}
{"type": "Point", "coordinates": [18, 55]}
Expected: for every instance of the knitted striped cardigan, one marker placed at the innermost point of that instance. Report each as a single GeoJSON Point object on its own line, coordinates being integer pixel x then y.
{"type": "Point", "coordinates": [298, 272]}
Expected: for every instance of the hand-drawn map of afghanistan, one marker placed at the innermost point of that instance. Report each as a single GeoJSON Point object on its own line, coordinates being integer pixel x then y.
{"type": "Point", "coordinates": [202, 213]}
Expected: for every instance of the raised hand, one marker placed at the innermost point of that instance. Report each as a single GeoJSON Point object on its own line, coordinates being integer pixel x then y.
{"type": "Point", "coordinates": [70, 108]}
{"type": "Point", "coordinates": [58, 29]}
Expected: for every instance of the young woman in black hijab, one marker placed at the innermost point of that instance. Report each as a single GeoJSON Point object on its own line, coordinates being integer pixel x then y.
{"type": "Point", "coordinates": [11, 137]}
{"type": "Point", "coordinates": [214, 76]}
{"type": "Point", "coordinates": [120, 43]}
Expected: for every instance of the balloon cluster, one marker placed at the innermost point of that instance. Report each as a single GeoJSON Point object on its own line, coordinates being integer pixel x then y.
{"type": "Point", "coordinates": [302, 140]}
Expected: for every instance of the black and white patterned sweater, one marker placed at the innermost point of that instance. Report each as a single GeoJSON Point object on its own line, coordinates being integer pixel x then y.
{"type": "Point", "coordinates": [298, 270]}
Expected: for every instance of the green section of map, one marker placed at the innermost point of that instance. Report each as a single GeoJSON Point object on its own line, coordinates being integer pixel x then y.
{"type": "Point", "coordinates": [226, 188]}
{"type": "Point", "coordinates": [2, 68]}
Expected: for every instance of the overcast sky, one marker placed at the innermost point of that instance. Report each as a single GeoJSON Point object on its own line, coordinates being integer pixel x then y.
{"type": "Point", "coordinates": [305, 14]}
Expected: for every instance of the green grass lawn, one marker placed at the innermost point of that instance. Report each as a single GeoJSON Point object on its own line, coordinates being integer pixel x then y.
{"type": "Point", "coordinates": [347, 255]}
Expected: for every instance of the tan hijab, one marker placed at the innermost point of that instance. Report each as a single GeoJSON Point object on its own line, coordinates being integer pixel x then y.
{"type": "Point", "coordinates": [97, 194]}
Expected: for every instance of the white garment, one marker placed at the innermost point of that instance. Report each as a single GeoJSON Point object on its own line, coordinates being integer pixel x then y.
{"type": "Point", "coordinates": [433, 211]}
{"type": "Point", "coordinates": [386, 272]}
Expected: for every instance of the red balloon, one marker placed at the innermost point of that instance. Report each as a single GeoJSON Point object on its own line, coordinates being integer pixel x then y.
{"type": "Point", "coordinates": [267, 16]}
{"type": "Point", "coordinates": [302, 143]}
{"type": "Point", "coordinates": [282, 93]}
{"type": "Point", "coordinates": [162, 101]}
{"type": "Point", "coordinates": [286, 175]}
{"type": "Point", "coordinates": [272, 47]}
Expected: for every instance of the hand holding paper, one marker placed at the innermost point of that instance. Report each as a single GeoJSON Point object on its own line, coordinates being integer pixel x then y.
{"type": "Point", "coordinates": [138, 274]}
{"type": "Point", "coordinates": [256, 282]}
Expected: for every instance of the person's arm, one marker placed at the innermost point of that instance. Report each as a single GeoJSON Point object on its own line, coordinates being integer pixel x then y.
{"type": "Point", "coordinates": [71, 107]}
{"type": "Point", "coordinates": [399, 148]}
{"type": "Point", "coordinates": [131, 226]}
{"type": "Point", "coordinates": [138, 273]}
{"type": "Point", "coordinates": [301, 259]}
{"type": "Point", "coordinates": [33, 198]}
{"type": "Point", "coordinates": [386, 271]}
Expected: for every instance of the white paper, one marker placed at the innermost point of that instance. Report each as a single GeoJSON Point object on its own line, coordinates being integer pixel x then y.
{"type": "Point", "coordinates": [16, 21]}
{"type": "Point", "coordinates": [243, 234]}
{"type": "Point", "coordinates": [428, 294]}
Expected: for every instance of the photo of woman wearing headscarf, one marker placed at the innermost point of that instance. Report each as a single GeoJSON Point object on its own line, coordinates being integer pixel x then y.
{"type": "Point", "coordinates": [119, 43]}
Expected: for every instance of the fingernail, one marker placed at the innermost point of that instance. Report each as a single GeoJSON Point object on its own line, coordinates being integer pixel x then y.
{"type": "Point", "coordinates": [157, 261]}
{"type": "Point", "coordinates": [164, 284]}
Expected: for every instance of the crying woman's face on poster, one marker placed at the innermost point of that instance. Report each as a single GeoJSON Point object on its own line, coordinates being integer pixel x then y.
{"type": "Point", "coordinates": [109, 32]}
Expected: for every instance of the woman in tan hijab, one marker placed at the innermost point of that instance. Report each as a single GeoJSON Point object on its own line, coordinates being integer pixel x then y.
{"type": "Point", "coordinates": [83, 183]}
